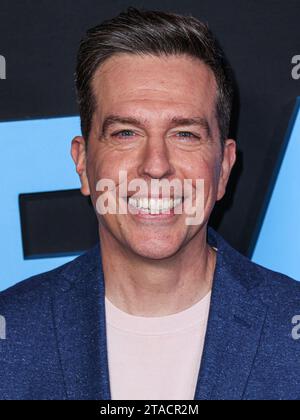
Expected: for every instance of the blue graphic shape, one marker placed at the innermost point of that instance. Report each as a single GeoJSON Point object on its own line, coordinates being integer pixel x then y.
{"type": "Point", "coordinates": [35, 157]}
{"type": "Point", "coordinates": [278, 244]}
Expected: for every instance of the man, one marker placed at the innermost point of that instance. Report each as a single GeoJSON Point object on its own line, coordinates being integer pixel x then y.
{"type": "Point", "coordinates": [160, 308]}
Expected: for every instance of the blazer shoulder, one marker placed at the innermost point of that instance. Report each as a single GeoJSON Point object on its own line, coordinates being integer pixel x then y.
{"type": "Point", "coordinates": [58, 278]}
{"type": "Point", "coordinates": [272, 286]}
{"type": "Point", "coordinates": [277, 287]}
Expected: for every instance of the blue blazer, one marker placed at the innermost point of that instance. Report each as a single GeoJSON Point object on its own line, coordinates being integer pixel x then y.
{"type": "Point", "coordinates": [55, 345]}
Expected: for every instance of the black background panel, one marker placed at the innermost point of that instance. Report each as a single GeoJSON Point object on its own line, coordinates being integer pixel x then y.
{"type": "Point", "coordinates": [57, 223]}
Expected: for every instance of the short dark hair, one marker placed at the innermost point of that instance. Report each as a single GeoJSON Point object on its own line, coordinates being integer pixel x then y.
{"type": "Point", "coordinates": [151, 33]}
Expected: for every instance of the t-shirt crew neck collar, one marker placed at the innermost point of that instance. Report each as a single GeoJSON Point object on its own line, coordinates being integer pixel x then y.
{"type": "Point", "coordinates": [181, 321]}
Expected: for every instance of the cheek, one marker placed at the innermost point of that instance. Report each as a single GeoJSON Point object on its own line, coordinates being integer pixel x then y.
{"type": "Point", "coordinates": [106, 169]}
{"type": "Point", "coordinates": [100, 167]}
{"type": "Point", "coordinates": [204, 168]}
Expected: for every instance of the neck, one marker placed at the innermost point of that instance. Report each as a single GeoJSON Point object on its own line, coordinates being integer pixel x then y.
{"type": "Point", "coordinates": [151, 288]}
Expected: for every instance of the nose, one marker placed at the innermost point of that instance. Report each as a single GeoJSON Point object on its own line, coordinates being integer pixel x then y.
{"type": "Point", "coordinates": [156, 162]}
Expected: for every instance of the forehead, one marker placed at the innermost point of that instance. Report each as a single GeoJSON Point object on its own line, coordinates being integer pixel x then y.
{"type": "Point", "coordinates": [151, 82]}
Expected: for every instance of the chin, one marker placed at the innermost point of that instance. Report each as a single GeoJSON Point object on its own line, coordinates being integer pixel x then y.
{"type": "Point", "coordinates": [155, 250]}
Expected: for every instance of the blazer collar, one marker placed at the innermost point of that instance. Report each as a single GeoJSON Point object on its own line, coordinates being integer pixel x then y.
{"type": "Point", "coordinates": [235, 324]}
{"type": "Point", "coordinates": [234, 327]}
{"type": "Point", "coordinates": [79, 313]}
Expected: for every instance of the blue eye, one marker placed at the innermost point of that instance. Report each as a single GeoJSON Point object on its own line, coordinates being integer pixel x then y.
{"type": "Point", "coordinates": [186, 134]}
{"type": "Point", "coordinates": [123, 133]}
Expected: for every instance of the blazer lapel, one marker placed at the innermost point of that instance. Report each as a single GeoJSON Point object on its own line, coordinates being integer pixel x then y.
{"type": "Point", "coordinates": [234, 329]}
{"type": "Point", "coordinates": [79, 313]}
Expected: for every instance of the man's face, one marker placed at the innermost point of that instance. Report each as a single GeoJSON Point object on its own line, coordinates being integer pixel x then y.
{"type": "Point", "coordinates": [143, 125]}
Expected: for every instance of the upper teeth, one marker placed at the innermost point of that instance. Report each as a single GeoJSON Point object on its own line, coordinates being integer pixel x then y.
{"type": "Point", "coordinates": [154, 205]}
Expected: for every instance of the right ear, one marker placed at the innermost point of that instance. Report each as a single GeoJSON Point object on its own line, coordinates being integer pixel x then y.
{"type": "Point", "coordinates": [78, 152]}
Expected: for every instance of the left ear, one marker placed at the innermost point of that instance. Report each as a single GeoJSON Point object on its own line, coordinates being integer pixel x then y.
{"type": "Point", "coordinates": [229, 158]}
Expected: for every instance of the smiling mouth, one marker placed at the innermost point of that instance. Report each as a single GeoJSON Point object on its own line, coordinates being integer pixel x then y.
{"type": "Point", "coordinates": [155, 205]}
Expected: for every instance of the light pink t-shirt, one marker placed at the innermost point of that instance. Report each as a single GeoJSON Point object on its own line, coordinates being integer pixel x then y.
{"type": "Point", "coordinates": [155, 358]}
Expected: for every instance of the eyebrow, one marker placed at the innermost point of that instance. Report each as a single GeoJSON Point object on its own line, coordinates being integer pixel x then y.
{"type": "Point", "coordinates": [175, 121]}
